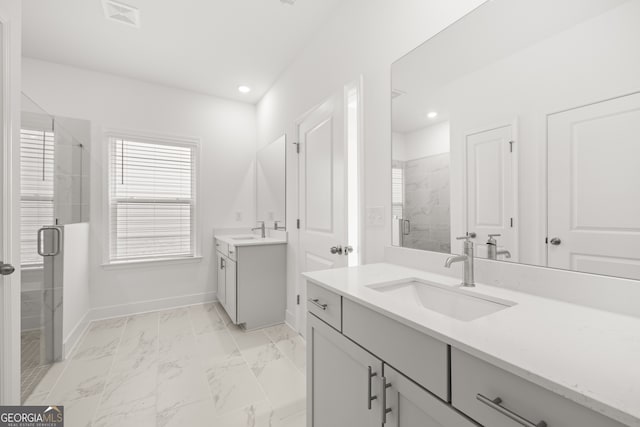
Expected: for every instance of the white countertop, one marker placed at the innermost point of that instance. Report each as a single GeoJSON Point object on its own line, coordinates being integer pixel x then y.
{"type": "Point", "coordinates": [589, 356]}
{"type": "Point", "coordinates": [257, 241]}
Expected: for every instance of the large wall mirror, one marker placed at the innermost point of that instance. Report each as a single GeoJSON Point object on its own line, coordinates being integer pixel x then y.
{"type": "Point", "coordinates": [520, 125]}
{"type": "Point", "coordinates": [271, 182]}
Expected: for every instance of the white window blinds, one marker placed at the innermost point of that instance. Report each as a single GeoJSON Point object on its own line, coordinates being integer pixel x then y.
{"type": "Point", "coordinates": [151, 200]}
{"type": "Point", "coordinates": [36, 190]}
{"type": "Point", "coordinates": [397, 192]}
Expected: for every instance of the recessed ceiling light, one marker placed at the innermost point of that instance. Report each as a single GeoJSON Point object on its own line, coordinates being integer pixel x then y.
{"type": "Point", "coordinates": [244, 89]}
{"type": "Point", "coordinates": [432, 115]}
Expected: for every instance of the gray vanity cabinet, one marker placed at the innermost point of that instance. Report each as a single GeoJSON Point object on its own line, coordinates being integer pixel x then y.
{"type": "Point", "coordinates": [412, 406]}
{"type": "Point", "coordinates": [252, 282]}
{"type": "Point", "coordinates": [227, 274]}
{"type": "Point", "coordinates": [341, 387]}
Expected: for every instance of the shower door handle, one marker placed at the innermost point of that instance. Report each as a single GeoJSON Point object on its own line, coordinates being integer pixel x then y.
{"type": "Point", "coordinates": [56, 249]}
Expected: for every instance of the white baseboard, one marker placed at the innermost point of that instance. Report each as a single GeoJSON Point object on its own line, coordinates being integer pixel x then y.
{"type": "Point", "coordinates": [107, 312]}
{"type": "Point", "coordinates": [290, 319]}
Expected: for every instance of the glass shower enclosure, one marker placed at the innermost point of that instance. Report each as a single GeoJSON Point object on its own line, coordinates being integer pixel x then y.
{"type": "Point", "coordinates": [54, 193]}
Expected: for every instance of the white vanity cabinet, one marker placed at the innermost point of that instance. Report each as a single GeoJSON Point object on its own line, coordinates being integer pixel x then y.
{"type": "Point", "coordinates": [252, 283]}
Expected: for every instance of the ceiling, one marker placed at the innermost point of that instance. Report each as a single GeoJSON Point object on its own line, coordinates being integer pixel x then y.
{"type": "Point", "coordinates": [423, 76]}
{"type": "Point", "coordinates": [206, 46]}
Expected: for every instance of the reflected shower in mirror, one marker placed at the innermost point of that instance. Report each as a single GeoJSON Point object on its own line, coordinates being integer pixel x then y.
{"type": "Point", "coordinates": [271, 181]}
{"type": "Point", "coordinates": [519, 125]}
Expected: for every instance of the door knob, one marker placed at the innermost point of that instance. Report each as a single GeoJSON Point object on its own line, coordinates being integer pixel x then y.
{"type": "Point", "coordinates": [336, 250]}
{"type": "Point", "coordinates": [555, 241]}
{"type": "Point", "coordinates": [6, 269]}
{"type": "Point", "coordinates": [348, 249]}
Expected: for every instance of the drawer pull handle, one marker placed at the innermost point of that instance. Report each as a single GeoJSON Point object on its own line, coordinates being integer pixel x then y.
{"type": "Point", "coordinates": [369, 397]}
{"type": "Point", "coordinates": [385, 410]}
{"type": "Point", "coordinates": [496, 404]}
{"type": "Point", "coordinates": [316, 302]}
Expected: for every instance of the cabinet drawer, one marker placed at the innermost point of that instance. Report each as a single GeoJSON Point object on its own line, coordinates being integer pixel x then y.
{"type": "Point", "coordinates": [233, 252]}
{"type": "Point", "coordinates": [472, 378]}
{"type": "Point", "coordinates": [416, 355]}
{"type": "Point", "coordinates": [222, 247]}
{"type": "Point", "coordinates": [325, 304]}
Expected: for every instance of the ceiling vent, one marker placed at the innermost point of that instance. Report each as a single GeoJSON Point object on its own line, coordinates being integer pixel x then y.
{"type": "Point", "coordinates": [122, 13]}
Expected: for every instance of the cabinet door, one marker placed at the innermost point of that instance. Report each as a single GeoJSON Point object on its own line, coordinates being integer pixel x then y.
{"type": "Point", "coordinates": [339, 386]}
{"type": "Point", "coordinates": [232, 290]}
{"type": "Point", "coordinates": [412, 406]}
{"type": "Point", "coordinates": [222, 287]}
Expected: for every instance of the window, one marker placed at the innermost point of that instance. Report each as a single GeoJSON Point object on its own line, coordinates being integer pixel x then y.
{"type": "Point", "coordinates": [151, 199]}
{"type": "Point", "coordinates": [36, 190]}
{"type": "Point", "coordinates": [397, 192]}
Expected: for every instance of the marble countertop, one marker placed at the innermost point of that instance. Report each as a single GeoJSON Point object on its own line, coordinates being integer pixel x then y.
{"type": "Point", "coordinates": [232, 240]}
{"type": "Point", "coordinates": [589, 356]}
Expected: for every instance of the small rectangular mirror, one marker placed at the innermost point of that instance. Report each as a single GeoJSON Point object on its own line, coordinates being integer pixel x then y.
{"type": "Point", "coordinates": [271, 183]}
{"type": "Point", "coordinates": [518, 125]}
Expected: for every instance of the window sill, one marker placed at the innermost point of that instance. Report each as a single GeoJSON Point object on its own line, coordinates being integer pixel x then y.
{"type": "Point", "coordinates": [150, 262]}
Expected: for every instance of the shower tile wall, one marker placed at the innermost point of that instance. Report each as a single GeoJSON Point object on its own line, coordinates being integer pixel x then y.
{"type": "Point", "coordinates": [427, 203]}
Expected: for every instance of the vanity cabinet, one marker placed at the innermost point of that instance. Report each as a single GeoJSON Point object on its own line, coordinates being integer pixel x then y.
{"type": "Point", "coordinates": [252, 283]}
{"type": "Point", "coordinates": [412, 406]}
{"type": "Point", "coordinates": [346, 380]}
{"type": "Point", "coordinates": [477, 384]}
{"type": "Point", "coordinates": [360, 361]}
{"type": "Point", "coordinates": [349, 386]}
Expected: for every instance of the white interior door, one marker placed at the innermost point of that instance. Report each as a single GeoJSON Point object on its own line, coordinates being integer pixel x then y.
{"type": "Point", "coordinates": [9, 234]}
{"type": "Point", "coordinates": [491, 189]}
{"type": "Point", "coordinates": [322, 186]}
{"type": "Point", "coordinates": [593, 188]}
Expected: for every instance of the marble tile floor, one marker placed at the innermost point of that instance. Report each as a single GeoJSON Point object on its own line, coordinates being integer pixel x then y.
{"type": "Point", "coordinates": [183, 367]}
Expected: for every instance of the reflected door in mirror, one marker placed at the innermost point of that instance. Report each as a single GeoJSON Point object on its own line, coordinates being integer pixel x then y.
{"type": "Point", "coordinates": [594, 204]}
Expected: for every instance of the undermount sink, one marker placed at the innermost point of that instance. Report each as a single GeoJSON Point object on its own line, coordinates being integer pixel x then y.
{"type": "Point", "coordinates": [453, 302]}
{"type": "Point", "coordinates": [245, 238]}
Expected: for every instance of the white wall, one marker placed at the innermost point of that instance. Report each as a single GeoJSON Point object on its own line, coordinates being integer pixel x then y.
{"type": "Point", "coordinates": [424, 142]}
{"type": "Point", "coordinates": [227, 130]}
{"type": "Point", "coordinates": [364, 38]}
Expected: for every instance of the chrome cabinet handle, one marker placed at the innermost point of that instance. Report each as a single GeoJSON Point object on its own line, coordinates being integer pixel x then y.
{"type": "Point", "coordinates": [385, 410]}
{"type": "Point", "coordinates": [336, 250]}
{"type": "Point", "coordinates": [555, 241]}
{"type": "Point", "coordinates": [56, 251]}
{"type": "Point", "coordinates": [316, 302]}
{"type": "Point", "coordinates": [370, 398]}
{"type": "Point", "coordinates": [496, 404]}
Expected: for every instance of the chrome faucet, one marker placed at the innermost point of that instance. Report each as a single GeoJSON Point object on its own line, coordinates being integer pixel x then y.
{"type": "Point", "coordinates": [467, 258]}
{"type": "Point", "coordinates": [492, 248]}
{"type": "Point", "coordinates": [262, 228]}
